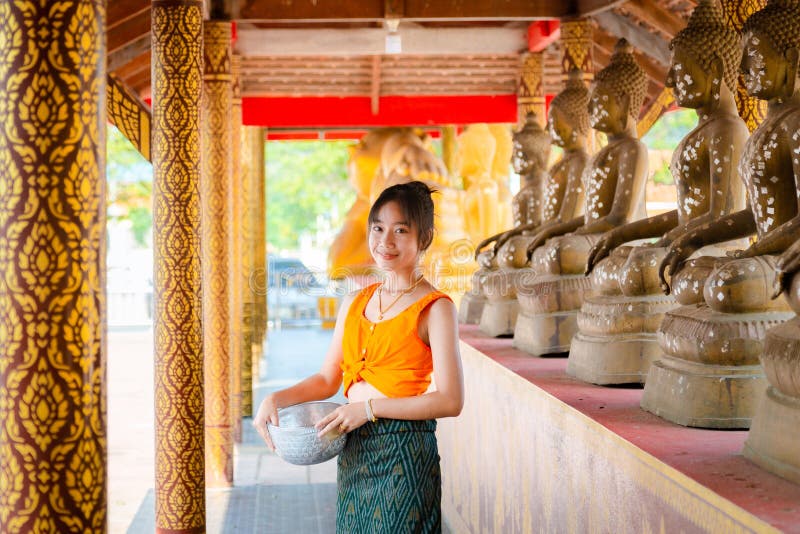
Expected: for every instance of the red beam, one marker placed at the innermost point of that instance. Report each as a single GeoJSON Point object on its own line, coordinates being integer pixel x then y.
{"type": "Point", "coordinates": [329, 135]}
{"type": "Point", "coordinates": [543, 33]}
{"type": "Point", "coordinates": [345, 112]}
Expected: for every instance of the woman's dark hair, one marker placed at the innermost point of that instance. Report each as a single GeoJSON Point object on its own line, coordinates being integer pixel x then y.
{"type": "Point", "coordinates": [414, 199]}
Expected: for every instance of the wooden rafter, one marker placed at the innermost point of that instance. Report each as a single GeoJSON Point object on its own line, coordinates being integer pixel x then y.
{"type": "Point", "coordinates": [129, 114]}
{"type": "Point", "coordinates": [128, 31]}
{"type": "Point", "coordinates": [375, 10]}
{"type": "Point", "coordinates": [129, 53]}
{"type": "Point", "coordinates": [656, 16]}
{"type": "Point", "coordinates": [647, 42]}
{"type": "Point", "coordinates": [589, 8]}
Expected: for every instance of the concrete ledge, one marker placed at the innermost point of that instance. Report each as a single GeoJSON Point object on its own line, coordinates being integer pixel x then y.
{"type": "Point", "coordinates": [537, 451]}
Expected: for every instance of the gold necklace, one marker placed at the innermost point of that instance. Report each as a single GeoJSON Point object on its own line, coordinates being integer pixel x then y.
{"type": "Point", "coordinates": [381, 310]}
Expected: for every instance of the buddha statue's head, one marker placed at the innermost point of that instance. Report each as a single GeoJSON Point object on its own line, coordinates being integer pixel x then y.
{"type": "Point", "coordinates": [618, 92]}
{"type": "Point", "coordinates": [705, 54]}
{"type": "Point", "coordinates": [568, 120]}
{"type": "Point", "coordinates": [771, 39]}
{"type": "Point", "coordinates": [531, 147]}
{"type": "Point", "coordinates": [365, 158]}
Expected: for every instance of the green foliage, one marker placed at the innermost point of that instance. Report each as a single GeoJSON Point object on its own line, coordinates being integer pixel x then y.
{"type": "Point", "coordinates": [306, 187]}
{"type": "Point", "coordinates": [130, 185]}
{"type": "Point", "coordinates": [668, 131]}
{"type": "Point", "coordinates": [665, 135]}
{"type": "Point", "coordinates": [663, 176]}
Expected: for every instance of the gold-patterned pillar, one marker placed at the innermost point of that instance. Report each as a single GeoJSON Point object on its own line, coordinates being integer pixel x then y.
{"type": "Point", "coordinates": [248, 296]}
{"type": "Point", "coordinates": [253, 280]}
{"type": "Point", "coordinates": [53, 441]}
{"type": "Point", "coordinates": [215, 188]}
{"type": "Point", "coordinates": [260, 248]}
{"type": "Point", "coordinates": [236, 247]}
{"type": "Point", "coordinates": [577, 45]}
{"type": "Point", "coordinates": [751, 109]}
{"type": "Point", "coordinates": [530, 93]}
{"type": "Point", "coordinates": [177, 77]}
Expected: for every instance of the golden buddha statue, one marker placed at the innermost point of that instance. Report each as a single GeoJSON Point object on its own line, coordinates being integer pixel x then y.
{"type": "Point", "coordinates": [768, 442]}
{"type": "Point", "coordinates": [487, 200]}
{"type": "Point", "coordinates": [712, 348]}
{"type": "Point", "coordinates": [617, 338]}
{"type": "Point", "coordinates": [614, 185]}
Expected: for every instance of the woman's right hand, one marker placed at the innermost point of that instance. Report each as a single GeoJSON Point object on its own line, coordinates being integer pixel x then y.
{"type": "Point", "coordinates": [267, 412]}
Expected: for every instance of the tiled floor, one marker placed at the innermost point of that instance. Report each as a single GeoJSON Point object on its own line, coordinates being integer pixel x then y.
{"type": "Point", "coordinates": [269, 495]}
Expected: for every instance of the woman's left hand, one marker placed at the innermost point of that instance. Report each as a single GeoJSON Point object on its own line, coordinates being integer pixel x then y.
{"type": "Point", "coordinates": [343, 419]}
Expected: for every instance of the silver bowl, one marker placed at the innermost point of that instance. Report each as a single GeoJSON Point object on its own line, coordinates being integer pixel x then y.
{"type": "Point", "coordinates": [296, 439]}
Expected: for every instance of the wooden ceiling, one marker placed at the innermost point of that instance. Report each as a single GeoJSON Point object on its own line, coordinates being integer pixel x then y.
{"type": "Point", "coordinates": [334, 48]}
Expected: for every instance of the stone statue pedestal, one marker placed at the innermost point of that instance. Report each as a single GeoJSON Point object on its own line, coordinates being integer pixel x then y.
{"type": "Point", "coordinates": [471, 307]}
{"type": "Point", "coordinates": [500, 311]}
{"type": "Point", "coordinates": [616, 340]}
{"type": "Point", "coordinates": [772, 442]}
{"type": "Point", "coordinates": [709, 375]}
{"type": "Point", "coordinates": [499, 318]}
{"type": "Point", "coordinates": [549, 307]}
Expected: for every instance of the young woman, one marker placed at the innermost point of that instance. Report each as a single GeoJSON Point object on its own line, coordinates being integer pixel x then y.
{"type": "Point", "coordinates": [388, 341]}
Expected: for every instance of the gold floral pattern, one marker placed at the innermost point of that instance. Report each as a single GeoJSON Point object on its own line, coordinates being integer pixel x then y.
{"type": "Point", "coordinates": [751, 109]}
{"type": "Point", "coordinates": [577, 43]}
{"type": "Point", "coordinates": [52, 249]}
{"type": "Point", "coordinates": [178, 333]}
{"type": "Point", "coordinates": [215, 188]}
{"type": "Point", "coordinates": [129, 114]}
{"type": "Point", "coordinates": [530, 94]}
{"type": "Point", "coordinates": [236, 243]}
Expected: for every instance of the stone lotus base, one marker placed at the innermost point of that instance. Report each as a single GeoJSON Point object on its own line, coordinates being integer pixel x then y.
{"type": "Point", "coordinates": [471, 307]}
{"type": "Point", "coordinates": [700, 395]}
{"type": "Point", "coordinates": [772, 442]}
{"type": "Point", "coordinates": [547, 320]}
{"type": "Point", "coordinates": [616, 340]}
{"type": "Point", "coordinates": [710, 374]}
{"type": "Point", "coordinates": [499, 317]}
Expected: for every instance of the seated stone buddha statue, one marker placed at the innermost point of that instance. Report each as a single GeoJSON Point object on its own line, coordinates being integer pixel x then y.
{"type": "Point", "coordinates": [614, 186]}
{"type": "Point", "coordinates": [548, 198]}
{"type": "Point", "coordinates": [561, 188]}
{"type": "Point", "coordinates": [712, 347]}
{"type": "Point", "coordinates": [531, 151]}
{"type": "Point", "coordinates": [768, 442]}
{"type": "Point", "coordinates": [617, 325]}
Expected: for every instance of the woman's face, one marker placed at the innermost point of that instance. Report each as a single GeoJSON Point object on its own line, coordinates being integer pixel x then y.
{"type": "Point", "coordinates": [393, 240]}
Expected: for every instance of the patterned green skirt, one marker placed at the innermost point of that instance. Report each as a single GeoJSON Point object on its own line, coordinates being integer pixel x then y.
{"type": "Point", "coordinates": [389, 479]}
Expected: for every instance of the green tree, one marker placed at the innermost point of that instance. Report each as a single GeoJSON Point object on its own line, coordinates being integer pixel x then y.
{"type": "Point", "coordinates": [130, 185]}
{"type": "Point", "coordinates": [306, 185]}
{"type": "Point", "coordinates": [665, 134]}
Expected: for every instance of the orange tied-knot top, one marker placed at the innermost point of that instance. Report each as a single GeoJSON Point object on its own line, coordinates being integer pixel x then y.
{"type": "Point", "coordinates": [389, 354]}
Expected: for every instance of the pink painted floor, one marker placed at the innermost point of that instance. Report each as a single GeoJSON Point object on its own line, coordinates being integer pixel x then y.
{"type": "Point", "coordinates": [711, 457]}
